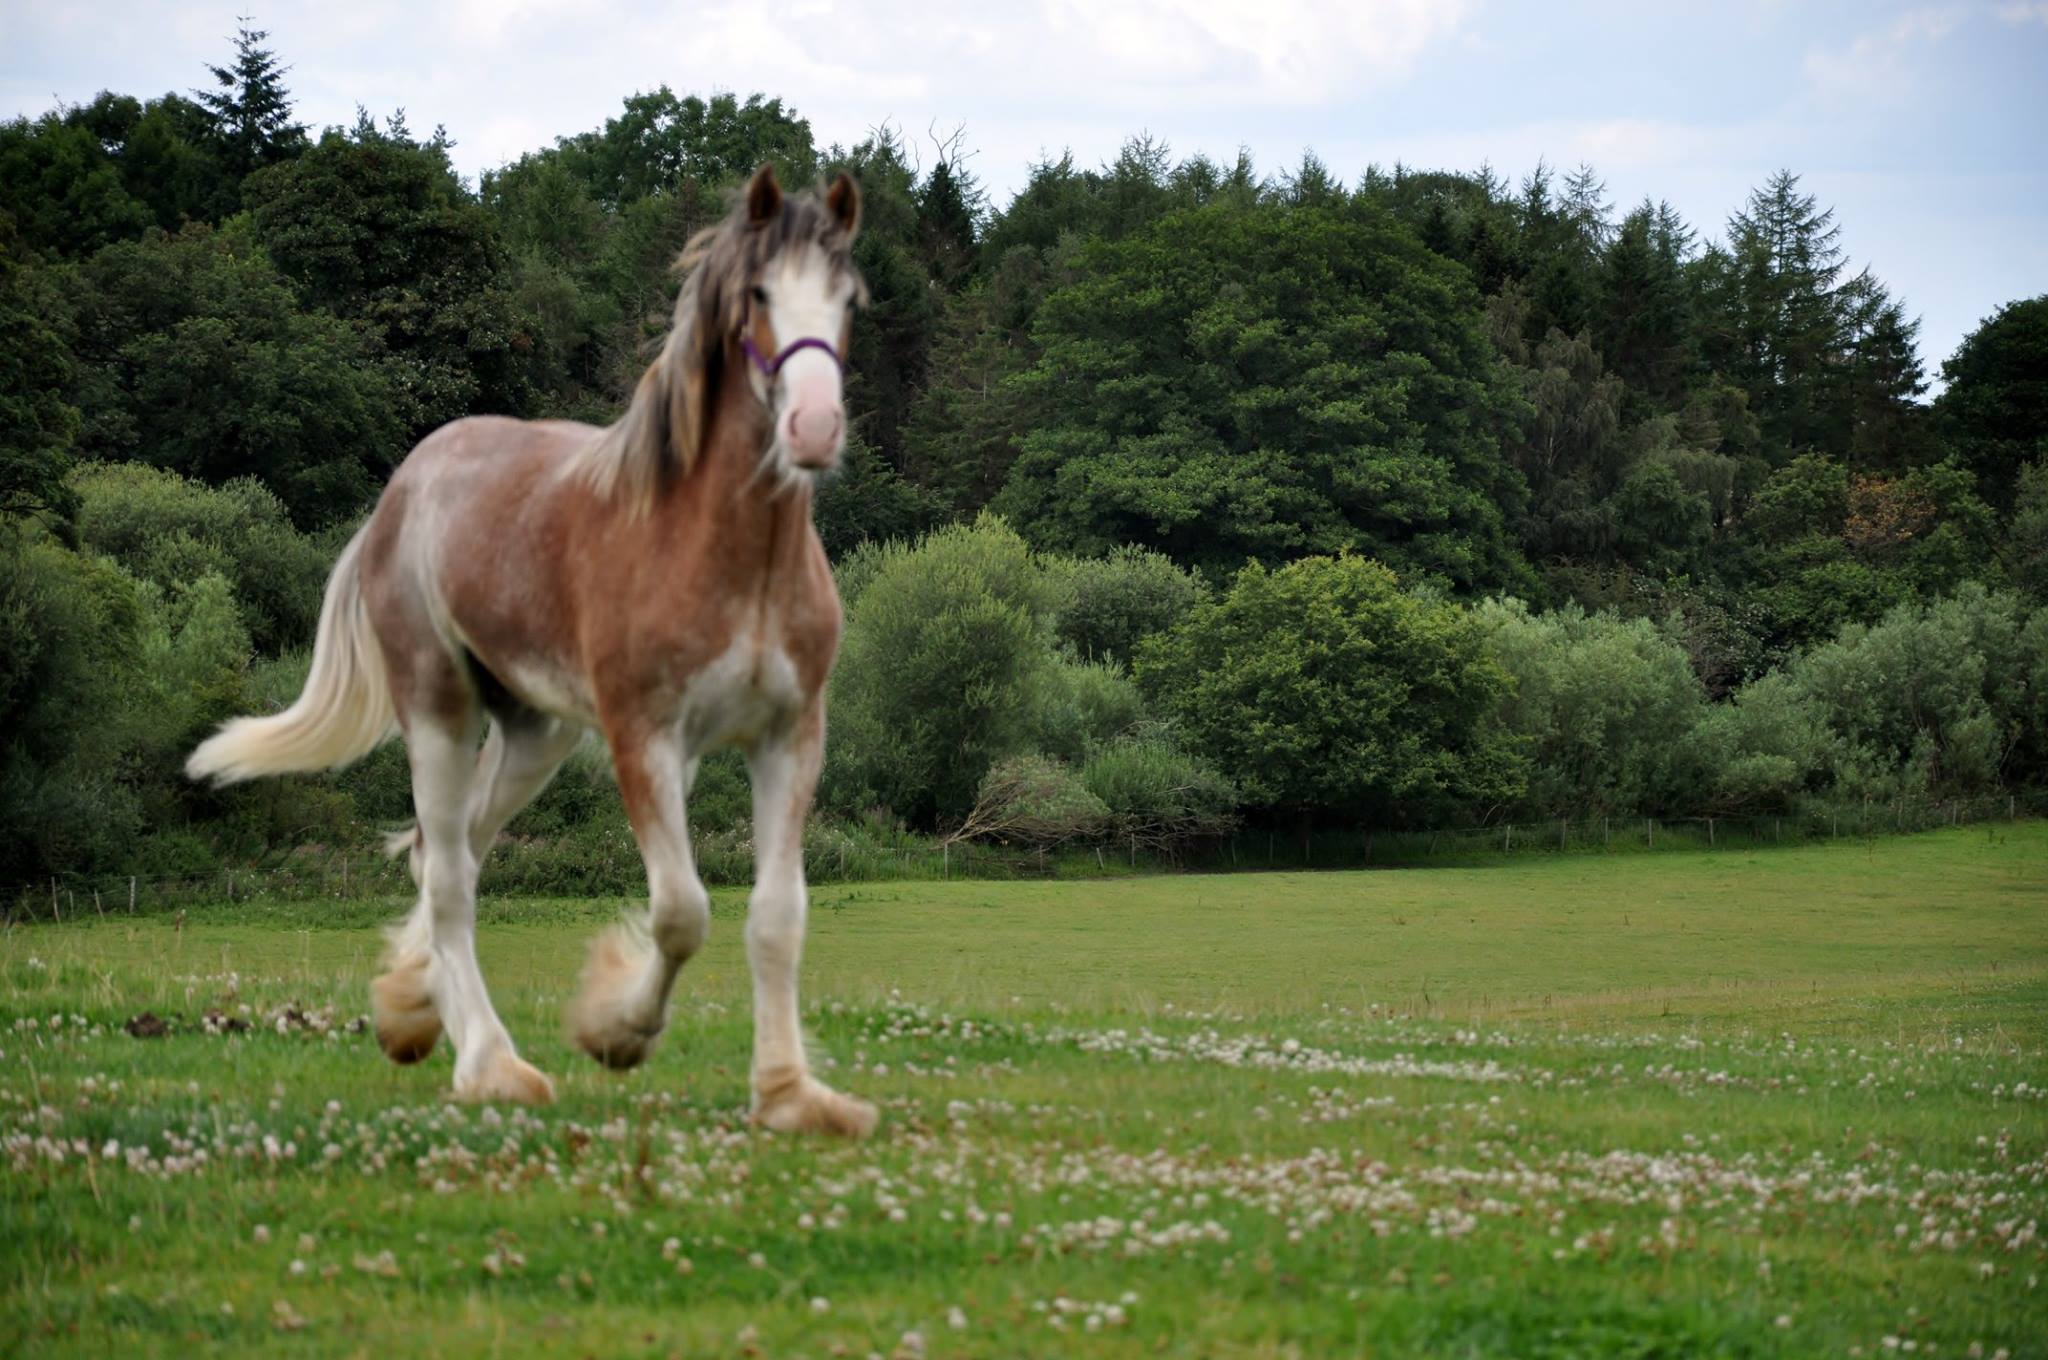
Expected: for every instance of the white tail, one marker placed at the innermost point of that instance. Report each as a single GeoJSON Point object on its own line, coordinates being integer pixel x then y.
{"type": "Point", "coordinates": [343, 712]}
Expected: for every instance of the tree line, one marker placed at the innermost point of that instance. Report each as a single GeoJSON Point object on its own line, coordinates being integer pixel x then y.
{"type": "Point", "coordinates": [1176, 493]}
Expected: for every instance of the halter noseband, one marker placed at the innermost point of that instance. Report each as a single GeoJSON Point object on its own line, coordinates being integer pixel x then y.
{"type": "Point", "coordinates": [770, 367]}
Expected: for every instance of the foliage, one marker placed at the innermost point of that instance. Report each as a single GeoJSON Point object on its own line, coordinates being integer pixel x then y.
{"type": "Point", "coordinates": [1158, 795]}
{"type": "Point", "coordinates": [194, 355]}
{"type": "Point", "coordinates": [374, 226]}
{"type": "Point", "coordinates": [83, 177]}
{"type": "Point", "coordinates": [1109, 605]}
{"type": "Point", "coordinates": [104, 685]}
{"type": "Point", "coordinates": [2026, 550]}
{"type": "Point", "coordinates": [37, 424]}
{"type": "Point", "coordinates": [1323, 686]}
{"type": "Point", "coordinates": [178, 533]}
{"type": "Point", "coordinates": [1599, 706]}
{"type": "Point", "coordinates": [251, 110]}
{"type": "Point", "coordinates": [1259, 381]}
{"type": "Point", "coordinates": [1942, 697]}
{"type": "Point", "coordinates": [943, 669]}
{"type": "Point", "coordinates": [1995, 407]}
{"type": "Point", "coordinates": [1032, 800]}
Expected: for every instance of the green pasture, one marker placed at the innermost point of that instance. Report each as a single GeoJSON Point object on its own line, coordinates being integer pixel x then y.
{"type": "Point", "coordinates": [1773, 1103]}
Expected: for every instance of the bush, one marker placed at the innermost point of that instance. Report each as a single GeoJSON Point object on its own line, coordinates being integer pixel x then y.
{"type": "Point", "coordinates": [1323, 688]}
{"type": "Point", "coordinates": [1158, 795]}
{"type": "Point", "coordinates": [173, 531]}
{"type": "Point", "coordinates": [1085, 705]}
{"type": "Point", "coordinates": [1764, 749]}
{"type": "Point", "coordinates": [1600, 705]}
{"type": "Point", "coordinates": [1108, 605]}
{"type": "Point", "coordinates": [944, 671]}
{"type": "Point", "coordinates": [104, 685]}
{"type": "Point", "coordinates": [1032, 800]}
{"type": "Point", "coordinates": [1933, 698]}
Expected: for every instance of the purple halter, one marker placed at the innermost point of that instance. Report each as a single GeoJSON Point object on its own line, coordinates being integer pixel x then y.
{"type": "Point", "coordinates": [770, 367]}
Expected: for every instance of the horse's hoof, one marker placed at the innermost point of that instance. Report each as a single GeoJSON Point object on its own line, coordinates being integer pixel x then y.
{"type": "Point", "coordinates": [599, 1021]}
{"type": "Point", "coordinates": [508, 1077]}
{"type": "Point", "coordinates": [809, 1106]}
{"type": "Point", "coordinates": [407, 1024]}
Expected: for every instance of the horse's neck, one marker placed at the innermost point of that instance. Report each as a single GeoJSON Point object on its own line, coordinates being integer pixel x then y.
{"type": "Point", "coordinates": [735, 497]}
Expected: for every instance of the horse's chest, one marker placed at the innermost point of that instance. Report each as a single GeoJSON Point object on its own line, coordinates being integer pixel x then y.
{"type": "Point", "coordinates": [749, 689]}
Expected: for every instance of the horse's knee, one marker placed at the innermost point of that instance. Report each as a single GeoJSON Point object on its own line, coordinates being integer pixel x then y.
{"type": "Point", "coordinates": [775, 931]}
{"type": "Point", "coordinates": [680, 919]}
{"type": "Point", "coordinates": [450, 888]}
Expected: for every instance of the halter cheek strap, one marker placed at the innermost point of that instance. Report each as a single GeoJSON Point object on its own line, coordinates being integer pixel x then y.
{"type": "Point", "coordinates": [770, 367]}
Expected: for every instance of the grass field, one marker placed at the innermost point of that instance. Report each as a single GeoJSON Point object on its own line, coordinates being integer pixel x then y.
{"type": "Point", "coordinates": [1785, 1103]}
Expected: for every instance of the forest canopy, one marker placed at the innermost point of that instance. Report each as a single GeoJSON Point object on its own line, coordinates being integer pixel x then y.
{"type": "Point", "coordinates": [1177, 491]}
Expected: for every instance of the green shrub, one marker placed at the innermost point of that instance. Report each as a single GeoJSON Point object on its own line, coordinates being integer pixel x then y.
{"type": "Point", "coordinates": [943, 671]}
{"type": "Point", "coordinates": [1325, 689]}
{"type": "Point", "coordinates": [1158, 795]}
{"type": "Point", "coordinates": [1032, 800]}
{"type": "Point", "coordinates": [1600, 705]}
{"type": "Point", "coordinates": [1935, 698]}
{"type": "Point", "coordinates": [1763, 749]}
{"type": "Point", "coordinates": [1108, 605]}
{"type": "Point", "coordinates": [173, 531]}
{"type": "Point", "coordinates": [1085, 705]}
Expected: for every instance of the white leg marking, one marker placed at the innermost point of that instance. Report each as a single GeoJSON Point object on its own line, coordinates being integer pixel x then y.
{"type": "Point", "coordinates": [623, 1005]}
{"type": "Point", "coordinates": [785, 1095]}
{"type": "Point", "coordinates": [487, 1067]}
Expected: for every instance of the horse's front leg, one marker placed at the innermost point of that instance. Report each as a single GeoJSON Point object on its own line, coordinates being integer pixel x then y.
{"type": "Point", "coordinates": [623, 1004]}
{"type": "Point", "coordinates": [784, 767]}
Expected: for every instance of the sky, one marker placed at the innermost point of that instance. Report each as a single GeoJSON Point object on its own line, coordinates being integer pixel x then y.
{"type": "Point", "coordinates": [1924, 126]}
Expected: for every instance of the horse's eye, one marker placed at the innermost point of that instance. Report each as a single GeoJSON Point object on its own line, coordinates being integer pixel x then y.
{"type": "Point", "coordinates": [760, 295]}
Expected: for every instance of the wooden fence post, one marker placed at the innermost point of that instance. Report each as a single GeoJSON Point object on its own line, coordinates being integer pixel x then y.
{"type": "Point", "coordinates": [1651, 823]}
{"type": "Point", "coordinates": [131, 894]}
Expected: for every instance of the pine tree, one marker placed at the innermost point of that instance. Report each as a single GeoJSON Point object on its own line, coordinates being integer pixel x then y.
{"type": "Point", "coordinates": [947, 206]}
{"type": "Point", "coordinates": [1883, 377]}
{"type": "Point", "coordinates": [1788, 325]}
{"type": "Point", "coordinates": [1642, 314]}
{"type": "Point", "coordinates": [252, 110]}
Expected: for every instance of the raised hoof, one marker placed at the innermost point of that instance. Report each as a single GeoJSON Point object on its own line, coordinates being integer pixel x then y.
{"type": "Point", "coordinates": [599, 1017]}
{"type": "Point", "coordinates": [508, 1078]}
{"type": "Point", "coordinates": [808, 1106]}
{"type": "Point", "coordinates": [407, 1024]}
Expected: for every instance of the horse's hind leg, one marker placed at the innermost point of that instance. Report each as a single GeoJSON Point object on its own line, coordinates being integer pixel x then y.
{"type": "Point", "coordinates": [434, 969]}
{"type": "Point", "coordinates": [520, 755]}
{"type": "Point", "coordinates": [623, 1004]}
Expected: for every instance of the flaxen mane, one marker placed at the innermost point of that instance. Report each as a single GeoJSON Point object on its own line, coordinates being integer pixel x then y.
{"type": "Point", "coordinates": [659, 437]}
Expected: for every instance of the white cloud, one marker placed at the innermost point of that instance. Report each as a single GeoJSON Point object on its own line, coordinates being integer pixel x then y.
{"type": "Point", "coordinates": [2033, 12]}
{"type": "Point", "coordinates": [1879, 64]}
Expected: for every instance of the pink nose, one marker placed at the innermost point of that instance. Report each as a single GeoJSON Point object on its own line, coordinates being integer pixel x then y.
{"type": "Point", "coordinates": [814, 435]}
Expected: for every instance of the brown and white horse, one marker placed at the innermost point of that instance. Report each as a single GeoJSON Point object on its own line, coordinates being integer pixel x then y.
{"type": "Point", "coordinates": [659, 580]}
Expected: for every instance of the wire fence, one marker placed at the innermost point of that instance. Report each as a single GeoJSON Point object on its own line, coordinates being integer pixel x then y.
{"type": "Point", "coordinates": [831, 856]}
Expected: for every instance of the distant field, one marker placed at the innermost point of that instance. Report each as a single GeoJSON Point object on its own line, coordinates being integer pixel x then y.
{"type": "Point", "coordinates": [1775, 1104]}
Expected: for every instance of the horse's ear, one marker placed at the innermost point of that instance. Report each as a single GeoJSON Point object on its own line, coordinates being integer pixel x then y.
{"type": "Point", "coordinates": [843, 201]}
{"type": "Point", "coordinates": [764, 195]}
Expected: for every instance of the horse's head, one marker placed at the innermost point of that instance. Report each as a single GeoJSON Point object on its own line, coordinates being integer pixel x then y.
{"type": "Point", "coordinates": [770, 291]}
{"type": "Point", "coordinates": [797, 315]}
